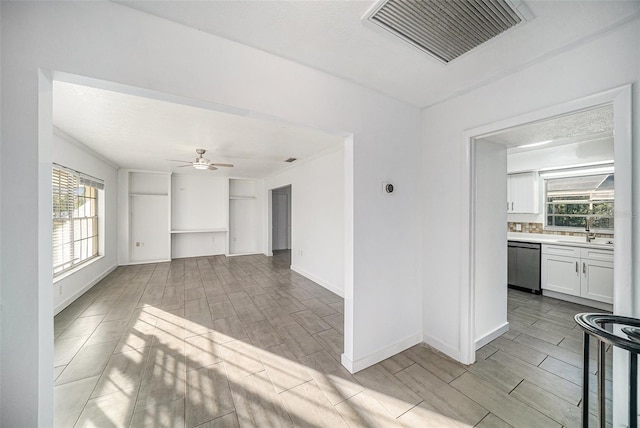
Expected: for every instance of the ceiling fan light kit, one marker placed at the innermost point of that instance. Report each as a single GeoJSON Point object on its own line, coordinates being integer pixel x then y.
{"type": "Point", "coordinates": [202, 163]}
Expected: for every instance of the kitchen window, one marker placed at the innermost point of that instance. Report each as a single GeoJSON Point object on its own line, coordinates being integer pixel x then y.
{"type": "Point", "coordinates": [578, 201]}
{"type": "Point", "coordinates": [75, 218]}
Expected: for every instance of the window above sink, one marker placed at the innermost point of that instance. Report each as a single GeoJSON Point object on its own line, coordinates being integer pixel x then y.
{"type": "Point", "coordinates": [579, 197]}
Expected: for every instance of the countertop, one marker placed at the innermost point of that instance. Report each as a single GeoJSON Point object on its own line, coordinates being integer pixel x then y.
{"type": "Point", "coordinates": [570, 241]}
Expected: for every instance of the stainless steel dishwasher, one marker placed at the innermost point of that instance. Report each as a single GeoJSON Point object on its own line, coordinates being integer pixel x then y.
{"type": "Point", "coordinates": [524, 265]}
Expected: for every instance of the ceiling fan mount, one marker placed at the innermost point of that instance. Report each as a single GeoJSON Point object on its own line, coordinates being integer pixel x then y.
{"type": "Point", "coordinates": [203, 163]}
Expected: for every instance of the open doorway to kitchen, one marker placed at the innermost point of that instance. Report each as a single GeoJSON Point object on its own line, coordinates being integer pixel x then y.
{"type": "Point", "coordinates": [485, 304]}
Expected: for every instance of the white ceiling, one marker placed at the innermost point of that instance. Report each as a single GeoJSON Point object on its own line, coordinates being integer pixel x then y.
{"type": "Point", "coordinates": [142, 133]}
{"type": "Point", "coordinates": [586, 125]}
{"type": "Point", "coordinates": [330, 36]}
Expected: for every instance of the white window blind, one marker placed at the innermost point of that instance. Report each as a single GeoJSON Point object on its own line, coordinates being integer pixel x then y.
{"type": "Point", "coordinates": [75, 218]}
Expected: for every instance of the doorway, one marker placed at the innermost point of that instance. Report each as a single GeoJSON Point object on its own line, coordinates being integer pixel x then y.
{"type": "Point", "coordinates": [473, 203]}
{"type": "Point", "coordinates": [281, 218]}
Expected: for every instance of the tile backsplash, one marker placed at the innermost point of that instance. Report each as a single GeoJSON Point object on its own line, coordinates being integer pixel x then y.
{"type": "Point", "coordinates": [539, 228]}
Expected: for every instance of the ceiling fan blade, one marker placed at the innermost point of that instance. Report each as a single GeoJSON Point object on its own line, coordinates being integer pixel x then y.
{"type": "Point", "coordinates": [226, 165]}
{"type": "Point", "coordinates": [176, 160]}
{"type": "Point", "coordinates": [212, 168]}
{"type": "Point", "coordinates": [184, 166]}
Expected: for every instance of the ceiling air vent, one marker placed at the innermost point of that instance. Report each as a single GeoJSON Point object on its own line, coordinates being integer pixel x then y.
{"type": "Point", "coordinates": [291, 160]}
{"type": "Point", "coordinates": [446, 29]}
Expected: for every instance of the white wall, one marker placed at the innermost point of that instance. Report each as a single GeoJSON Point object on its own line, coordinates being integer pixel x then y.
{"type": "Point", "coordinates": [73, 154]}
{"type": "Point", "coordinates": [317, 224]}
{"type": "Point", "coordinates": [490, 264]}
{"type": "Point", "coordinates": [382, 305]}
{"type": "Point", "coordinates": [198, 202]}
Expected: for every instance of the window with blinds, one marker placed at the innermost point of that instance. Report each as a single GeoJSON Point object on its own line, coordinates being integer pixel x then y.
{"type": "Point", "coordinates": [75, 218]}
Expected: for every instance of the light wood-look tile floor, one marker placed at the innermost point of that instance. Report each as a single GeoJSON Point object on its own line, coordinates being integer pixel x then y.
{"type": "Point", "coordinates": [244, 341]}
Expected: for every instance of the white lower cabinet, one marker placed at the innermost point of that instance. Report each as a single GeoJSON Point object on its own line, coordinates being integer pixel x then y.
{"type": "Point", "coordinates": [581, 272]}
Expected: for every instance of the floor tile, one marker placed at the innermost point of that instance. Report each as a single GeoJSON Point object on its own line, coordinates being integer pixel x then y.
{"type": "Point", "coordinates": [122, 372]}
{"type": "Point", "coordinates": [332, 341]}
{"type": "Point", "coordinates": [395, 396]}
{"type": "Point", "coordinates": [201, 351]}
{"type": "Point", "coordinates": [69, 400]}
{"type": "Point", "coordinates": [257, 403]}
{"type": "Point", "coordinates": [283, 368]}
{"type": "Point", "coordinates": [226, 421]}
{"type": "Point", "coordinates": [240, 359]}
{"type": "Point", "coordinates": [208, 395]}
{"type": "Point", "coordinates": [334, 380]}
{"type": "Point", "coordinates": [88, 362]}
{"type": "Point", "coordinates": [441, 396]}
{"type": "Point", "coordinates": [299, 341]}
{"type": "Point", "coordinates": [507, 408]}
{"type": "Point", "coordinates": [66, 349]}
{"type": "Point", "coordinates": [364, 411]}
{"type": "Point", "coordinates": [308, 406]}
{"type": "Point", "coordinates": [561, 411]}
{"type": "Point", "coordinates": [443, 367]}
{"type": "Point", "coordinates": [168, 415]}
{"type": "Point", "coordinates": [114, 409]}
{"type": "Point", "coordinates": [424, 415]}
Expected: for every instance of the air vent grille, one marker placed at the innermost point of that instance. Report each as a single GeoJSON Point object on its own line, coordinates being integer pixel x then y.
{"type": "Point", "coordinates": [446, 29]}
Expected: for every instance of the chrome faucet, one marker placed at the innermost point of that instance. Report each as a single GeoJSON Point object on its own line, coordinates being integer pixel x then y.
{"type": "Point", "coordinates": [587, 228]}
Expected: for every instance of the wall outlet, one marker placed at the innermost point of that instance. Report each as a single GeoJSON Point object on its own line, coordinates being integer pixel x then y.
{"type": "Point", "coordinates": [60, 291]}
{"type": "Point", "coordinates": [518, 227]}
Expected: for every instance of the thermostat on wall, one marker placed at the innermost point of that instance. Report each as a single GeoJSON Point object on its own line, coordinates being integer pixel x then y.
{"type": "Point", "coordinates": [387, 187]}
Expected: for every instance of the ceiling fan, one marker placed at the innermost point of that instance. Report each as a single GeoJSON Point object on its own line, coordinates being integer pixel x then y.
{"type": "Point", "coordinates": [202, 162]}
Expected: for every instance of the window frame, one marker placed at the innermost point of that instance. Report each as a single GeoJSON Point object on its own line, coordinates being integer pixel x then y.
{"type": "Point", "coordinates": [84, 227]}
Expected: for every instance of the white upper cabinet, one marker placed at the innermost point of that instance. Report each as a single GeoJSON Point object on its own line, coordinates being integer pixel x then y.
{"type": "Point", "coordinates": [522, 193]}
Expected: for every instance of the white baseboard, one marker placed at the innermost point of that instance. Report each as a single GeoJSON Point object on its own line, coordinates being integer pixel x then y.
{"type": "Point", "coordinates": [380, 355]}
{"type": "Point", "coordinates": [241, 254]}
{"type": "Point", "coordinates": [269, 254]}
{"type": "Point", "coordinates": [579, 300]}
{"type": "Point", "coordinates": [492, 335]}
{"type": "Point", "coordinates": [69, 300]}
{"type": "Point", "coordinates": [144, 262]}
{"type": "Point", "coordinates": [442, 347]}
{"type": "Point", "coordinates": [319, 281]}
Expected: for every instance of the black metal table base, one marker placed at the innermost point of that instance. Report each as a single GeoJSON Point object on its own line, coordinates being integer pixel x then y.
{"type": "Point", "coordinates": [593, 325]}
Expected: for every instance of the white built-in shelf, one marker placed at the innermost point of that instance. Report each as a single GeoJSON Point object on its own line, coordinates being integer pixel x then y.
{"type": "Point", "coordinates": [242, 197]}
{"type": "Point", "coordinates": [148, 194]}
{"type": "Point", "coordinates": [222, 229]}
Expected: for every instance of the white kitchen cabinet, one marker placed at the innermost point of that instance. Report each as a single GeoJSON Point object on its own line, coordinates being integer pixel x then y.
{"type": "Point", "coordinates": [561, 274]}
{"type": "Point", "coordinates": [522, 193]}
{"type": "Point", "coordinates": [582, 272]}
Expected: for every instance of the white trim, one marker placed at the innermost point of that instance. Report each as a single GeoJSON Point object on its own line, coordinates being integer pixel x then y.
{"type": "Point", "coordinates": [492, 335]}
{"type": "Point", "coordinates": [579, 300]}
{"type": "Point", "coordinates": [142, 262]}
{"type": "Point", "coordinates": [77, 268]}
{"type": "Point", "coordinates": [624, 303]}
{"type": "Point", "coordinates": [319, 281]}
{"type": "Point", "coordinates": [69, 300]}
{"type": "Point", "coordinates": [242, 254]}
{"type": "Point", "coordinates": [446, 349]}
{"type": "Point", "coordinates": [380, 355]}
{"type": "Point", "coordinates": [268, 254]}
